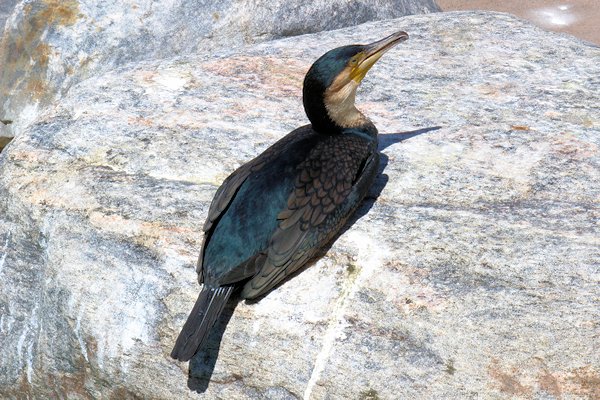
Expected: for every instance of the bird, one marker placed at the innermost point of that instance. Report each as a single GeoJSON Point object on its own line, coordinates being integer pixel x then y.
{"type": "Point", "coordinates": [275, 213]}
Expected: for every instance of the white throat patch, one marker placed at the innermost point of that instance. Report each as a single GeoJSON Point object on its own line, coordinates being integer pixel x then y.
{"type": "Point", "coordinates": [339, 103]}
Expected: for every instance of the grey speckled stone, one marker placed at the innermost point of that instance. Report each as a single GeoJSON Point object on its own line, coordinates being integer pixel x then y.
{"type": "Point", "coordinates": [6, 9]}
{"type": "Point", "coordinates": [475, 273]}
{"type": "Point", "coordinates": [49, 45]}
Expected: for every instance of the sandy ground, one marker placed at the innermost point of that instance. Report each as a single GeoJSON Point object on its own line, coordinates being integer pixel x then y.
{"type": "Point", "coordinates": [577, 17]}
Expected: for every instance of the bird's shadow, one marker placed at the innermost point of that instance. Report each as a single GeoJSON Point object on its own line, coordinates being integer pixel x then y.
{"type": "Point", "coordinates": [381, 180]}
{"type": "Point", "coordinates": [202, 365]}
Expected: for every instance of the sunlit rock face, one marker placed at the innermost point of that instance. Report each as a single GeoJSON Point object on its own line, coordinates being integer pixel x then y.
{"type": "Point", "coordinates": [471, 270]}
{"type": "Point", "coordinates": [49, 45]}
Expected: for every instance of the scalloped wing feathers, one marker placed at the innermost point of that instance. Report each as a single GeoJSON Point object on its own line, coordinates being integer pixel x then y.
{"type": "Point", "coordinates": [317, 207]}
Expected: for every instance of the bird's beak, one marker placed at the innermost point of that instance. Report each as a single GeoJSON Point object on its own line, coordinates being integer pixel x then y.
{"type": "Point", "coordinates": [374, 51]}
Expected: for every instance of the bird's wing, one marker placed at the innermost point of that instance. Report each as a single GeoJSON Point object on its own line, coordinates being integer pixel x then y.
{"type": "Point", "coordinates": [329, 186]}
{"type": "Point", "coordinates": [230, 186]}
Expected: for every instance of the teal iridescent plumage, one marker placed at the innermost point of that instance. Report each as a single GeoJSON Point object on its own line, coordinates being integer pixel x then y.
{"type": "Point", "coordinates": [274, 213]}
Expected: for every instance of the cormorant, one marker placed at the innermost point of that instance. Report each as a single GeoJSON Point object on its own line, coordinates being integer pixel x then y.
{"type": "Point", "coordinates": [274, 213]}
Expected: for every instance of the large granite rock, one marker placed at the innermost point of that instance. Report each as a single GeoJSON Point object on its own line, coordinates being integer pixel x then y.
{"type": "Point", "coordinates": [49, 45]}
{"type": "Point", "coordinates": [475, 273]}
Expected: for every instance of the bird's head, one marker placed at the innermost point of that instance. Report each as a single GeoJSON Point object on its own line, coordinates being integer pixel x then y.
{"type": "Point", "coordinates": [330, 84]}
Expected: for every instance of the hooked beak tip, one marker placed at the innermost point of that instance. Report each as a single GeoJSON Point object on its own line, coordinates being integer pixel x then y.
{"type": "Point", "coordinates": [383, 45]}
{"type": "Point", "coordinates": [375, 50]}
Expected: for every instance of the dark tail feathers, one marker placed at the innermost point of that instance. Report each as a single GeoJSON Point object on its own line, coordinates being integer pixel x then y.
{"type": "Point", "coordinates": [207, 309]}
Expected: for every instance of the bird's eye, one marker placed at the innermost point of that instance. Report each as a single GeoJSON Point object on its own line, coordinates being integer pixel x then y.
{"type": "Point", "coordinates": [353, 61]}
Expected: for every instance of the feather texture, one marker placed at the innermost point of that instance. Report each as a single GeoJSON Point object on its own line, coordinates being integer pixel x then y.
{"type": "Point", "coordinates": [207, 309]}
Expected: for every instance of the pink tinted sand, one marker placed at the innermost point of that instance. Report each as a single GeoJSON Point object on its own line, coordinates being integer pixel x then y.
{"type": "Point", "coordinates": [580, 18]}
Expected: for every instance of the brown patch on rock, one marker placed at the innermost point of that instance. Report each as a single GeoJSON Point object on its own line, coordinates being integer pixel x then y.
{"type": "Point", "coordinates": [584, 381]}
{"type": "Point", "coordinates": [71, 385]}
{"type": "Point", "coordinates": [43, 54]}
{"type": "Point", "coordinates": [123, 394]}
{"type": "Point", "coordinates": [36, 88]}
{"type": "Point", "coordinates": [507, 381]}
{"type": "Point", "coordinates": [54, 385]}
{"type": "Point", "coordinates": [26, 55]}
{"type": "Point", "coordinates": [568, 145]}
{"type": "Point", "coordinates": [140, 121]}
{"type": "Point", "coordinates": [60, 12]}
{"type": "Point", "coordinates": [549, 384]}
{"type": "Point", "coordinates": [278, 76]}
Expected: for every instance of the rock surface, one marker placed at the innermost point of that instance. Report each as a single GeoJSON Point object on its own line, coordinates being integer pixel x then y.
{"type": "Point", "coordinates": [6, 9]}
{"type": "Point", "coordinates": [49, 45]}
{"type": "Point", "coordinates": [475, 273]}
